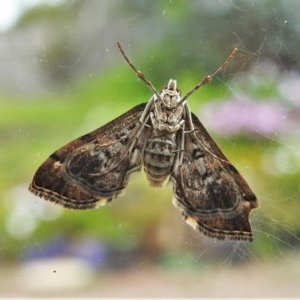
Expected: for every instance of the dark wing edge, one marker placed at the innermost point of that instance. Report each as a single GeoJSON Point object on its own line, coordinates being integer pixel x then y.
{"type": "Point", "coordinates": [52, 181]}
{"type": "Point", "coordinates": [236, 229]}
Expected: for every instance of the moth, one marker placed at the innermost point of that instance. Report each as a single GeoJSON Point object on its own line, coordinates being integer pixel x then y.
{"type": "Point", "coordinates": [168, 140]}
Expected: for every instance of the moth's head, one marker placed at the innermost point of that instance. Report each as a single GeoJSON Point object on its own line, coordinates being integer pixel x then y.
{"type": "Point", "coordinates": [170, 95]}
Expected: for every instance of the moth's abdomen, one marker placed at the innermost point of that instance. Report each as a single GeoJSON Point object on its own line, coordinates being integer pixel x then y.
{"type": "Point", "coordinates": [159, 158]}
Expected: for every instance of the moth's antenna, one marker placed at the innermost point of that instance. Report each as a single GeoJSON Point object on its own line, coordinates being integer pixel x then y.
{"type": "Point", "coordinates": [208, 78]}
{"type": "Point", "coordinates": [138, 72]}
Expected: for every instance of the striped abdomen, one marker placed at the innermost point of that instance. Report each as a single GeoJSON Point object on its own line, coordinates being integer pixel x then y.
{"type": "Point", "coordinates": [159, 158]}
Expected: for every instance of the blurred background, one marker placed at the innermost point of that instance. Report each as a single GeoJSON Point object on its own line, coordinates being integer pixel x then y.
{"type": "Point", "coordinates": [61, 76]}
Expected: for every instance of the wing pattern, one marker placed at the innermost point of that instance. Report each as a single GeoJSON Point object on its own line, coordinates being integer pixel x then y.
{"type": "Point", "coordinates": [94, 169]}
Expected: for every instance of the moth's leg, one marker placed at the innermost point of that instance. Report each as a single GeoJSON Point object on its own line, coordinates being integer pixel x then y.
{"type": "Point", "coordinates": [189, 118]}
{"type": "Point", "coordinates": [159, 112]}
{"type": "Point", "coordinates": [138, 134]}
{"type": "Point", "coordinates": [187, 122]}
{"type": "Point", "coordinates": [143, 120]}
{"type": "Point", "coordinates": [182, 124]}
{"type": "Point", "coordinates": [154, 122]}
{"type": "Point", "coordinates": [180, 151]}
{"type": "Point", "coordinates": [145, 115]}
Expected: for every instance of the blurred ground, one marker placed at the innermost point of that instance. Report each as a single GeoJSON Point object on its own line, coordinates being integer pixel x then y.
{"type": "Point", "coordinates": [253, 280]}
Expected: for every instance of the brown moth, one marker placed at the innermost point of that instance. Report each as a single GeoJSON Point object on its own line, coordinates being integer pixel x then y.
{"type": "Point", "coordinates": [165, 137]}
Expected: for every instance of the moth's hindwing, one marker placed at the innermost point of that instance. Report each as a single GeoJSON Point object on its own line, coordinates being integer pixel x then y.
{"type": "Point", "coordinates": [211, 194]}
{"type": "Point", "coordinates": [94, 168]}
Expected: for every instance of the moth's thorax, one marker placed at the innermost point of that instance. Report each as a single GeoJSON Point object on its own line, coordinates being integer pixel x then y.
{"type": "Point", "coordinates": [168, 109]}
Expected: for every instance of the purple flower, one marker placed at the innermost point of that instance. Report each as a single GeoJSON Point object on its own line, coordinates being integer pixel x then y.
{"type": "Point", "coordinates": [243, 115]}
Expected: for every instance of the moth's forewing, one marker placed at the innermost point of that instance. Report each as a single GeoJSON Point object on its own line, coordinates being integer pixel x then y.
{"type": "Point", "coordinates": [94, 168]}
{"type": "Point", "coordinates": [210, 192]}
